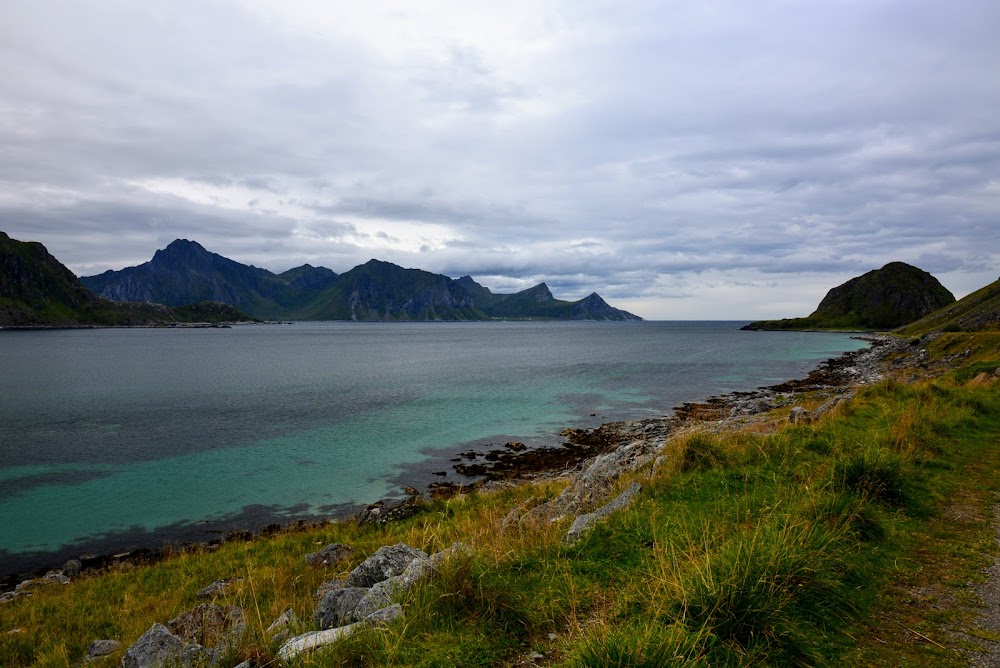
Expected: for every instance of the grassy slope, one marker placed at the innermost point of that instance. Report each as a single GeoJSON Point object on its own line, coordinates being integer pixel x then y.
{"type": "Point", "coordinates": [834, 543]}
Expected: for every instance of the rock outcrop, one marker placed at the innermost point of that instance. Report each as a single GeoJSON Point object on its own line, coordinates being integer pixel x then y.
{"type": "Point", "coordinates": [882, 299]}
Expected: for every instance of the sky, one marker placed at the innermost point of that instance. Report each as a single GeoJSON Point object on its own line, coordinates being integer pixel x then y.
{"type": "Point", "coordinates": [686, 160]}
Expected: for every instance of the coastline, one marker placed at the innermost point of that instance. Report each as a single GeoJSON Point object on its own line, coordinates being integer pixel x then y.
{"type": "Point", "coordinates": [515, 464]}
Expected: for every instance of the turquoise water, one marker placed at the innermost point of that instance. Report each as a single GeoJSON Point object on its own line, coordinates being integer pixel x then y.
{"type": "Point", "coordinates": [116, 438]}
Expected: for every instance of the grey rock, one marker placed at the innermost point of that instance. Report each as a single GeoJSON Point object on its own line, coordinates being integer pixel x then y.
{"type": "Point", "coordinates": [57, 577]}
{"type": "Point", "coordinates": [217, 627]}
{"type": "Point", "coordinates": [156, 648]}
{"type": "Point", "coordinates": [381, 595]}
{"type": "Point", "coordinates": [99, 648]}
{"type": "Point", "coordinates": [284, 621]}
{"type": "Point", "coordinates": [337, 607]}
{"type": "Point", "coordinates": [311, 641]}
{"type": "Point", "coordinates": [72, 568]}
{"type": "Point", "coordinates": [328, 586]}
{"type": "Point", "coordinates": [387, 562]}
{"type": "Point", "coordinates": [218, 587]}
{"type": "Point", "coordinates": [385, 615]}
{"type": "Point", "coordinates": [584, 523]}
{"type": "Point", "coordinates": [329, 555]}
{"type": "Point", "coordinates": [800, 415]}
{"type": "Point", "coordinates": [8, 596]}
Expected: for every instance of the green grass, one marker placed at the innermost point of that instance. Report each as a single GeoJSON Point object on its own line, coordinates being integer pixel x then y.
{"type": "Point", "coordinates": [833, 543]}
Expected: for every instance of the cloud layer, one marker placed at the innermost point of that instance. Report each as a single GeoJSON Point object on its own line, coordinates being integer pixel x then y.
{"type": "Point", "coordinates": [708, 160]}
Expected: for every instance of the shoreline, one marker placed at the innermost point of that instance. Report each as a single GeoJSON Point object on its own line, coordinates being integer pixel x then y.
{"type": "Point", "coordinates": [515, 464]}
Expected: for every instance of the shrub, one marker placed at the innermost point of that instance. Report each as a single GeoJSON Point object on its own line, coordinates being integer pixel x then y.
{"type": "Point", "coordinates": [701, 453]}
{"type": "Point", "coordinates": [876, 475]}
{"type": "Point", "coordinates": [769, 592]}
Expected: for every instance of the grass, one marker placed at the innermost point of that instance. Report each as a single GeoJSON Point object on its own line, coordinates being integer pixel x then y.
{"type": "Point", "coordinates": [849, 541]}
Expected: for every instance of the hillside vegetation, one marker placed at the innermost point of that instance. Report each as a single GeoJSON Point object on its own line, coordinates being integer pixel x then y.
{"type": "Point", "coordinates": [882, 299]}
{"type": "Point", "coordinates": [771, 544]}
{"type": "Point", "coordinates": [36, 290]}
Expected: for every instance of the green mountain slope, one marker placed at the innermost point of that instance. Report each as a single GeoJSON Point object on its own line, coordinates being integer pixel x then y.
{"type": "Point", "coordinates": [36, 290]}
{"type": "Point", "coordinates": [975, 312]}
{"type": "Point", "coordinates": [882, 299]}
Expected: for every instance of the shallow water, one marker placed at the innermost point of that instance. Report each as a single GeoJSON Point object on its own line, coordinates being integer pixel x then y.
{"type": "Point", "coordinates": [116, 438]}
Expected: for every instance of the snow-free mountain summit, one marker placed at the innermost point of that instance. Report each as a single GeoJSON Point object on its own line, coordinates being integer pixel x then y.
{"type": "Point", "coordinates": [185, 272]}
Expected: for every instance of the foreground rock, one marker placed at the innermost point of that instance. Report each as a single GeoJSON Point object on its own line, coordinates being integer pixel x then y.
{"type": "Point", "coordinates": [348, 606]}
{"type": "Point", "coordinates": [584, 523]}
{"type": "Point", "coordinates": [387, 562]}
{"type": "Point", "coordinates": [203, 635]}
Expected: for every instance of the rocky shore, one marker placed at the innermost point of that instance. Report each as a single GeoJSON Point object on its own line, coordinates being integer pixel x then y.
{"type": "Point", "coordinates": [592, 459]}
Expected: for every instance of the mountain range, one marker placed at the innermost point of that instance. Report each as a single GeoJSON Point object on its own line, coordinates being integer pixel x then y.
{"type": "Point", "coordinates": [185, 272]}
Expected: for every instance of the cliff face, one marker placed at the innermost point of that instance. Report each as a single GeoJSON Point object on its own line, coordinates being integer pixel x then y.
{"type": "Point", "coordinates": [886, 298]}
{"type": "Point", "coordinates": [35, 288]}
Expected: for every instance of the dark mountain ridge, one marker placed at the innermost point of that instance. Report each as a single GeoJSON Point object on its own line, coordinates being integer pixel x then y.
{"type": "Point", "coordinates": [36, 290]}
{"type": "Point", "coordinates": [882, 299]}
{"type": "Point", "coordinates": [184, 271]}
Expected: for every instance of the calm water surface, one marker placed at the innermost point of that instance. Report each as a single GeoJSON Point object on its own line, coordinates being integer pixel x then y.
{"type": "Point", "coordinates": [111, 439]}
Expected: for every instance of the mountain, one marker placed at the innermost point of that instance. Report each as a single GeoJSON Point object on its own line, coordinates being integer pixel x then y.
{"type": "Point", "coordinates": [977, 311]}
{"type": "Point", "coordinates": [882, 299]}
{"type": "Point", "coordinates": [383, 291]}
{"type": "Point", "coordinates": [36, 290]}
{"type": "Point", "coordinates": [184, 272]}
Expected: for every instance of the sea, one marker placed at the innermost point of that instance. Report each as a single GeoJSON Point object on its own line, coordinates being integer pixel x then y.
{"type": "Point", "coordinates": [118, 439]}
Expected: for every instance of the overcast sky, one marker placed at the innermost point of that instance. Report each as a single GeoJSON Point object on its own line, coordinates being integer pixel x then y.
{"type": "Point", "coordinates": [719, 160]}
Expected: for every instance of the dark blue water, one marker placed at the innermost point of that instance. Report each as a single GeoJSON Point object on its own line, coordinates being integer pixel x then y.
{"type": "Point", "coordinates": [110, 435]}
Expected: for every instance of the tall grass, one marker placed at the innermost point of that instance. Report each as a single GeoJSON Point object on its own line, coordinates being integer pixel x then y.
{"type": "Point", "coordinates": [748, 548]}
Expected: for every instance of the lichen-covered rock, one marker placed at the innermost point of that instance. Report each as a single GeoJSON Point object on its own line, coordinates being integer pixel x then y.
{"type": "Point", "coordinates": [329, 555]}
{"type": "Point", "coordinates": [99, 648]}
{"type": "Point", "coordinates": [72, 568]}
{"type": "Point", "coordinates": [214, 626]}
{"type": "Point", "coordinates": [387, 562]}
{"type": "Point", "coordinates": [800, 415]}
{"type": "Point", "coordinates": [311, 641]}
{"type": "Point", "coordinates": [584, 523]}
{"type": "Point", "coordinates": [156, 648]}
{"type": "Point", "coordinates": [337, 607]}
{"type": "Point", "coordinates": [218, 587]}
{"type": "Point", "coordinates": [385, 615]}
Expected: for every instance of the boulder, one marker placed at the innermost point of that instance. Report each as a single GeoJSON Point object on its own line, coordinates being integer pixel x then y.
{"type": "Point", "coordinates": [329, 555]}
{"type": "Point", "coordinates": [215, 626]}
{"type": "Point", "coordinates": [800, 415]}
{"type": "Point", "coordinates": [337, 607]}
{"type": "Point", "coordinates": [99, 648]}
{"type": "Point", "coordinates": [328, 586]}
{"type": "Point", "coordinates": [315, 640]}
{"type": "Point", "coordinates": [312, 641]}
{"type": "Point", "coordinates": [159, 648]}
{"type": "Point", "coordinates": [387, 562]}
{"type": "Point", "coordinates": [218, 587]}
{"type": "Point", "coordinates": [72, 568]}
{"type": "Point", "coordinates": [584, 523]}
{"type": "Point", "coordinates": [282, 628]}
